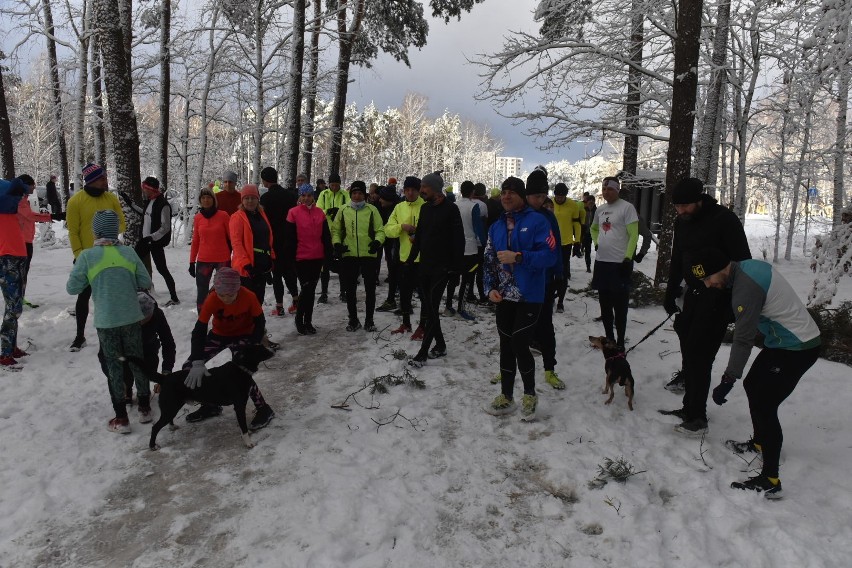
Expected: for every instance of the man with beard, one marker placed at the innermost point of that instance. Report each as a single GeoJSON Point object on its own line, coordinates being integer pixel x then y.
{"type": "Point", "coordinates": [80, 211]}
{"type": "Point", "coordinates": [701, 223]}
{"type": "Point", "coordinates": [440, 242]}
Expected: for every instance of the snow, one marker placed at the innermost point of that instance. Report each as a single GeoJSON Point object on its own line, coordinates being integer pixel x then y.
{"type": "Point", "coordinates": [452, 487]}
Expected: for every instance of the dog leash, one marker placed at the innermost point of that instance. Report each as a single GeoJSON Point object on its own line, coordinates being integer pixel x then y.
{"type": "Point", "coordinates": [649, 334]}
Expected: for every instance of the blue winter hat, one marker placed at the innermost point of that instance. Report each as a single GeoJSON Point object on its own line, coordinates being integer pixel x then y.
{"type": "Point", "coordinates": [306, 189]}
{"type": "Point", "coordinates": [105, 224]}
{"type": "Point", "coordinates": [91, 172]}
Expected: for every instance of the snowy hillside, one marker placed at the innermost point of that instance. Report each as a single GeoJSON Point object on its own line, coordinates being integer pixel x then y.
{"type": "Point", "coordinates": [441, 484]}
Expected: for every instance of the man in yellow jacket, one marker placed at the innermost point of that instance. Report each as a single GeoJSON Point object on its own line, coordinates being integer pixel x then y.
{"type": "Point", "coordinates": [402, 224]}
{"type": "Point", "coordinates": [571, 216]}
{"type": "Point", "coordinates": [330, 201]}
{"type": "Point", "coordinates": [80, 210]}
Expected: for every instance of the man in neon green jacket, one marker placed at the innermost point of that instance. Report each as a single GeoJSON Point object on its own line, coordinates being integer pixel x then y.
{"type": "Point", "coordinates": [357, 235]}
{"type": "Point", "coordinates": [402, 225]}
{"type": "Point", "coordinates": [330, 201]}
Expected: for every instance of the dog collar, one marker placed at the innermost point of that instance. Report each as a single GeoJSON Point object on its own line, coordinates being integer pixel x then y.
{"type": "Point", "coordinates": [619, 356]}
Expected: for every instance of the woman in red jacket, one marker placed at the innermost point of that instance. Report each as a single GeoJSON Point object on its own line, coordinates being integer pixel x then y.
{"type": "Point", "coordinates": [309, 244]}
{"type": "Point", "coordinates": [211, 243]}
{"type": "Point", "coordinates": [251, 237]}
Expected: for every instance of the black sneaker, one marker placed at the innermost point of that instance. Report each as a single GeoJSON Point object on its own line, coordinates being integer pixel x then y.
{"type": "Point", "coordinates": [353, 326]}
{"type": "Point", "coordinates": [560, 309]}
{"type": "Point", "coordinates": [694, 427]}
{"type": "Point", "coordinates": [417, 361]}
{"type": "Point", "coordinates": [742, 447]}
{"type": "Point", "coordinates": [203, 413]}
{"type": "Point", "coordinates": [761, 484]}
{"type": "Point", "coordinates": [310, 329]}
{"type": "Point", "coordinates": [387, 306]}
{"type": "Point", "coordinates": [78, 343]}
{"type": "Point", "coordinates": [323, 299]}
{"type": "Point", "coordinates": [301, 329]}
{"type": "Point", "coordinates": [370, 327]}
{"type": "Point", "coordinates": [437, 352]}
{"type": "Point", "coordinates": [262, 417]}
{"type": "Point", "coordinates": [680, 413]}
{"type": "Point", "coordinates": [677, 384]}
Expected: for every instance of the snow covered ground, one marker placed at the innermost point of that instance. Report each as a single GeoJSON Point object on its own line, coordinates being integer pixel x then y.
{"type": "Point", "coordinates": [444, 484]}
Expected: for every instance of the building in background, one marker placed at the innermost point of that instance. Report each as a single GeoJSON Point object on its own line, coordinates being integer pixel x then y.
{"type": "Point", "coordinates": [508, 167]}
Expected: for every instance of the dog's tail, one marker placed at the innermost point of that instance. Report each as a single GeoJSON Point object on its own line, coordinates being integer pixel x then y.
{"type": "Point", "coordinates": [152, 373]}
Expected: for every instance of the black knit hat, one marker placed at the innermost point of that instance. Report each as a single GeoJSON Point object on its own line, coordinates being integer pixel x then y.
{"type": "Point", "coordinates": [466, 188]}
{"type": "Point", "coordinates": [358, 185]}
{"type": "Point", "coordinates": [706, 262]}
{"type": "Point", "coordinates": [334, 178]}
{"type": "Point", "coordinates": [516, 185]}
{"type": "Point", "coordinates": [269, 174]}
{"type": "Point", "coordinates": [537, 182]}
{"type": "Point", "coordinates": [411, 181]}
{"type": "Point", "coordinates": [560, 189]}
{"type": "Point", "coordinates": [686, 191]}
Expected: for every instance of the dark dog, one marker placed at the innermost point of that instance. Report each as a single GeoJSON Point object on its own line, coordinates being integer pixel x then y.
{"type": "Point", "coordinates": [227, 385]}
{"type": "Point", "coordinates": [617, 369]}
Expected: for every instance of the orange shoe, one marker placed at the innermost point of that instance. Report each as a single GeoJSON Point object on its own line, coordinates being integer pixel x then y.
{"type": "Point", "coordinates": [418, 333]}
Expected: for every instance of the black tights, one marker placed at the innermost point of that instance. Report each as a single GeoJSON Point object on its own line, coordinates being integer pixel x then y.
{"type": "Point", "coordinates": [431, 290]}
{"type": "Point", "coordinates": [614, 305]}
{"type": "Point", "coordinates": [516, 324]}
{"type": "Point", "coordinates": [308, 272]}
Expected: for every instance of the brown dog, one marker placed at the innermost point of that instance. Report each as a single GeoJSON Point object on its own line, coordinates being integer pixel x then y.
{"type": "Point", "coordinates": [617, 368]}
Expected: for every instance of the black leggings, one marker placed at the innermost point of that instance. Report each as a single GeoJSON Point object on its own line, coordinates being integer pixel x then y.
{"type": "Point", "coordinates": [545, 335]}
{"type": "Point", "coordinates": [614, 305]}
{"type": "Point", "coordinates": [81, 310]}
{"type": "Point", "coordinates": [772, 377]}
{"type": "Point", "coordinates": [516, 324]}
{"type": "Point", "coordinates": [407, 284]}
{"type": "Point", "coordinates": [158, 255]}
{"type": "Point", "coordinates": [350, 268]}
{"type": "Point", "coordinates": [256, 284]}
{"type": "Point", "coordinates": [308, 272]}
{"type": "Point", "coordinates": [431, 290]}
{"type": "Point", "coordinates": [283, 273]}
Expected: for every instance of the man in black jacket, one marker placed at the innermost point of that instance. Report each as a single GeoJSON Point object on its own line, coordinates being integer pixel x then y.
{"type": "Point", "coordinates": [276, 203]}
{"type": "Point", "coordinates": [440, 242]}
{"type": "Point", "coordinates": [701, 223]}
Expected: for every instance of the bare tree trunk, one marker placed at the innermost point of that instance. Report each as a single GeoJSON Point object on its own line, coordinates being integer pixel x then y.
{"type": "Point", "coordinates": [718, 139]}
{"type": "Point", "coordinates": [294, 112]}
{"type": "Point", "coordinates": [259, 102]}
{"type": "Point", "coordinates": [311, 92]}
{"type": "Point", "coordinates": [165, 92]}
{"type": "Point", "coordinates": [779, 184]}
{"type": "Point", "coordinates": [634, 98]}
{"type": "Point", "coordinates": [346, 41]}
{"type": "Point", "coordinates": [125, 11]}
{"type": "Point", "coordinates": [7, 152]}
{"type": "Point", "coordinates": [800, 173]}
{"type": "Point", "coordinates": [842, 99]}
{"type": "Point", "coordinates": [682, 122]}
{"type": "Point", "coordinates": [708, 139]}
{"type": "Point", "coordinates": [82, 90]}
{"type": "Point", "coordinates": [742, 107]}
{"type": "Point", "coordinates": [56, 89]}
{"type": "Point", "coordinates": [98, 103]}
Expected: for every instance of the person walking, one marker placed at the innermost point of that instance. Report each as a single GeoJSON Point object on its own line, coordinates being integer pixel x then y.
{"type": "Point", "coordinates": [402, 225]}
{"type": "Point", "coordinates": [357, 235]}
{"type": "Point", "coordinates": [308, 243]}
{"type": "Point", "coordinates": [157, 233]}
{"type": "Point", "coordinates": [701, 222]}
{"type": "Point", "coordinates": [276, 203]}
{"type": "Point", "coordinates": [52, 196]}
{"type": "Point", "coordinates": [520, 249]}
{"type": "Point", "coordinates": [762, 301]}
{"type": "Point", "coordinates": [615, 231]}
{"type": "Point", "coordinates": [211, 243]}
{"type": "Point", "coordinates": [439, 240]}
{"type": "Point", "coordinates": [13, 258]}
{"type": "Point", "coordinates": [586, 239]}
{"type": "Point", "coordinates": [80, 210]}
{"type": "Point", "coordinates": [570, 216]}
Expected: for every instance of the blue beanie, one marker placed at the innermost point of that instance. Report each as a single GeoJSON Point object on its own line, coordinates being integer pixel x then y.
{"type": "Point", "coordinates": [91, 172]}
{"type": "Point", "coordinates": [306, 189]}
{"type": "Point", "coordinates": [105, 224]}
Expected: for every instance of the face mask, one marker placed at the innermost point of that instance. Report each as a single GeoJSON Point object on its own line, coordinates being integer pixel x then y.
{"type": "Point", "coordinates": [356, 205]}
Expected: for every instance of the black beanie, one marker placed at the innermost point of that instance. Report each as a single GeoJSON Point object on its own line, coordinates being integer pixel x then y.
{"type": "Point", "coordinates": [537, 182]}
{"type": "Point", "coordinates": [479, 189]}
{"type": "Point", "coordinates": [686, 191]}
{"type": "Point", "coordinates": [358, 185]}
{"type": "Point", "coordinates": [706, 262]}
{"type": "Point", "coordinates": [411, 181]}
{"type": "Point", "coordinates": [560, 189]}
{"type": "Point", "coordinates": [516, 185]}
{"type": "Point", "coordinates": [152, 181]}
{"type": "Point", "coordinates": [334, 178]}
{"type": "Point", "coordinates": [269, 174]}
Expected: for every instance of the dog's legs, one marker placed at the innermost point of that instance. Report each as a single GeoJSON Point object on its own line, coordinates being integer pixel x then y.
{"type": "Point", "coordinates": [610, 388]}
{"type": "Point", "coordinates": [240, 410]}
{"type": "Point", "coordinates": [606, 384]}
{"type": "Point", "coordinates": [629, 390]}
{"type": "Point", "coordinates": [167, 416]}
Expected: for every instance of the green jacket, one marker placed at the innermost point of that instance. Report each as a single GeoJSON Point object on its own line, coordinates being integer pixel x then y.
{"type": "Point", "coordinates": [329, 200]}
{"type": "Point", "coordinates": [356, 229]}
{"type": "Point", "coordinates": [405, 213]}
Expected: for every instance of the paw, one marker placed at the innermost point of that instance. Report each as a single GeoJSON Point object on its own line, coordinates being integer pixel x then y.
{"type": "Point", "coordinates": [154, 447]}
{"type": "Point", "coordinates": [247, 440]}
{"type": "Point", "coordinates": [173, 427]}
{"type": "Point", "coordinates": [608, 401]}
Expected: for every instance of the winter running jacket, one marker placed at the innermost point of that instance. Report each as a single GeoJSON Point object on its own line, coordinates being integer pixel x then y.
{"type": "Point", "coordinates": [474, 231]}
{"type": "Point", "coordinates": [27, 218]}
{"type": "Point", "coordinates": [556, 269]}
{"type": "Point", "coordinates": [243, 241]}
{"type": "Point", "coordinates": [356, 229]}
{"type": "Point", "coordinates": [532, 237]}
{"type": "Point", "coordinates": [81, 209]}
{"type": "Point", "coordinates": [307, 234]}
{"type": "Point", "coordinates": [277, 203]}
{"type": "Point", "coordinates": [330, 201]}
{"type": "Point", "coordinates": [211, 238]}
{"type": "Point", "coordinates": [763, 300]}
{"type": "Point", "coordinates": [229, 201]}
{"type": "Point", "coordinates": [11, 237]}
{"type": "Point", "coordinates": [571, 216]}
{"type": "Point", "coordinates": [405, 213]}
{"type": "Point", "coordinates": [115, 273]}
{"type": "Point", "coordinates": [439, 239]}
{"type": "Point", "coordinates": [157, 222]}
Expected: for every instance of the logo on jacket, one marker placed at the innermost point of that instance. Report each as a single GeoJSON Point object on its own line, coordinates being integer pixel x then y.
{"type": "Point", "coordinates": [698, 271]}
{"type": "Point", "coordinates": [551, 241]}
{"type": "Point", "coordinates": [606, 226]}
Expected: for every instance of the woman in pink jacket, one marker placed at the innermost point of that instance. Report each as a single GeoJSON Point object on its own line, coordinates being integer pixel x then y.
{"type": "Point", "coordinates": [308, 242]}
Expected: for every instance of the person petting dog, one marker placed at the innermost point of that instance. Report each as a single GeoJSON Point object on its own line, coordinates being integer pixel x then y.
{"type": "Point", "coordinates": [113, 272]}
{"type": "Point", "coordinates": [237, 321]}
{"type": "Point", "coordinates": [520, 249]}
{"type": "Point", "coordinates": [762, 300]}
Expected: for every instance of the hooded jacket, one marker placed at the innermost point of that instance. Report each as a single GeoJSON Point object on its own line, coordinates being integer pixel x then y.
{"type": "Point", "coordinates": [242, 239]}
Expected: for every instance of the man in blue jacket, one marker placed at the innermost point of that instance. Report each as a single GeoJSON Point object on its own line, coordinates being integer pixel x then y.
{"type": "Point", "coordinates": [521, 247]}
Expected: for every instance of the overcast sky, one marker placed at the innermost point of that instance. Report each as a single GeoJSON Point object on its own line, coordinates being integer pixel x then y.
{"type": "Point", "coordinates": [440, 71]}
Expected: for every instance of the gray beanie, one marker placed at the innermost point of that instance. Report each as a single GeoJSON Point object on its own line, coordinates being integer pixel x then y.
{"type": "Point", "coordinates": [433, 180]}
{"type": "Point", "coordinates": [146, 303]}
{"type": "Point", "coordinates": [105, 224]}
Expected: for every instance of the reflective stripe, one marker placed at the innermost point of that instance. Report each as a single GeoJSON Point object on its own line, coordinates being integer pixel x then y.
{"type": "Point", "coordinates": [110, 259]}
{"type": "Point", "coordinates": [262, 251]}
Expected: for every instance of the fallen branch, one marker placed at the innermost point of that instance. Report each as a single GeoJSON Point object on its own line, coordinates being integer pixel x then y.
{"type": "Point", "coordinates": [414, 423]}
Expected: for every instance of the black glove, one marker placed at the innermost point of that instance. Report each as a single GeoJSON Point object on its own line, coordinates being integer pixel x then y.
{"type": "Point", "coordinates": [722, 389]}
{"type": "Point", "coordinates": [626, 268]}
{"type": "Point", "coordinates": [332, 212]}
{"type": "Point", "coordinates": [148, 240]}
{"type": "Point", "coordinates": [339, 249]}
{"type": "Point", "coordinates": [58, 216]}
{"type": "Point", "coordinates": [192, 270]}
{"type": "Point", "coordinates": [375, 247]}
{"type": "Point", "coordinates": [269, 278]}
{"type": "Point", "coordinates": [670, 303]}
{"type": "Point", "coordinates": [249, 269]}
{"type": "Point", "coordinates": [639, 256]}
{"type": "Point", "coordinates": [577, 250]}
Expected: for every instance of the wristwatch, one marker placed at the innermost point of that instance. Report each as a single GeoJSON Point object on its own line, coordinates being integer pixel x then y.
{"type": "Point", "coordinates": [518, 257]}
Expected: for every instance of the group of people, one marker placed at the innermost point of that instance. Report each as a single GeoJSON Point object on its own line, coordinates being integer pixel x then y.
{"type": "Point", "coordinates": [511, 251]}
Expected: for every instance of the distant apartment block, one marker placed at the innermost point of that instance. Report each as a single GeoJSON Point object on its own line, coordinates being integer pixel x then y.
{"type": "Point", "coordinates": [508, 166]}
